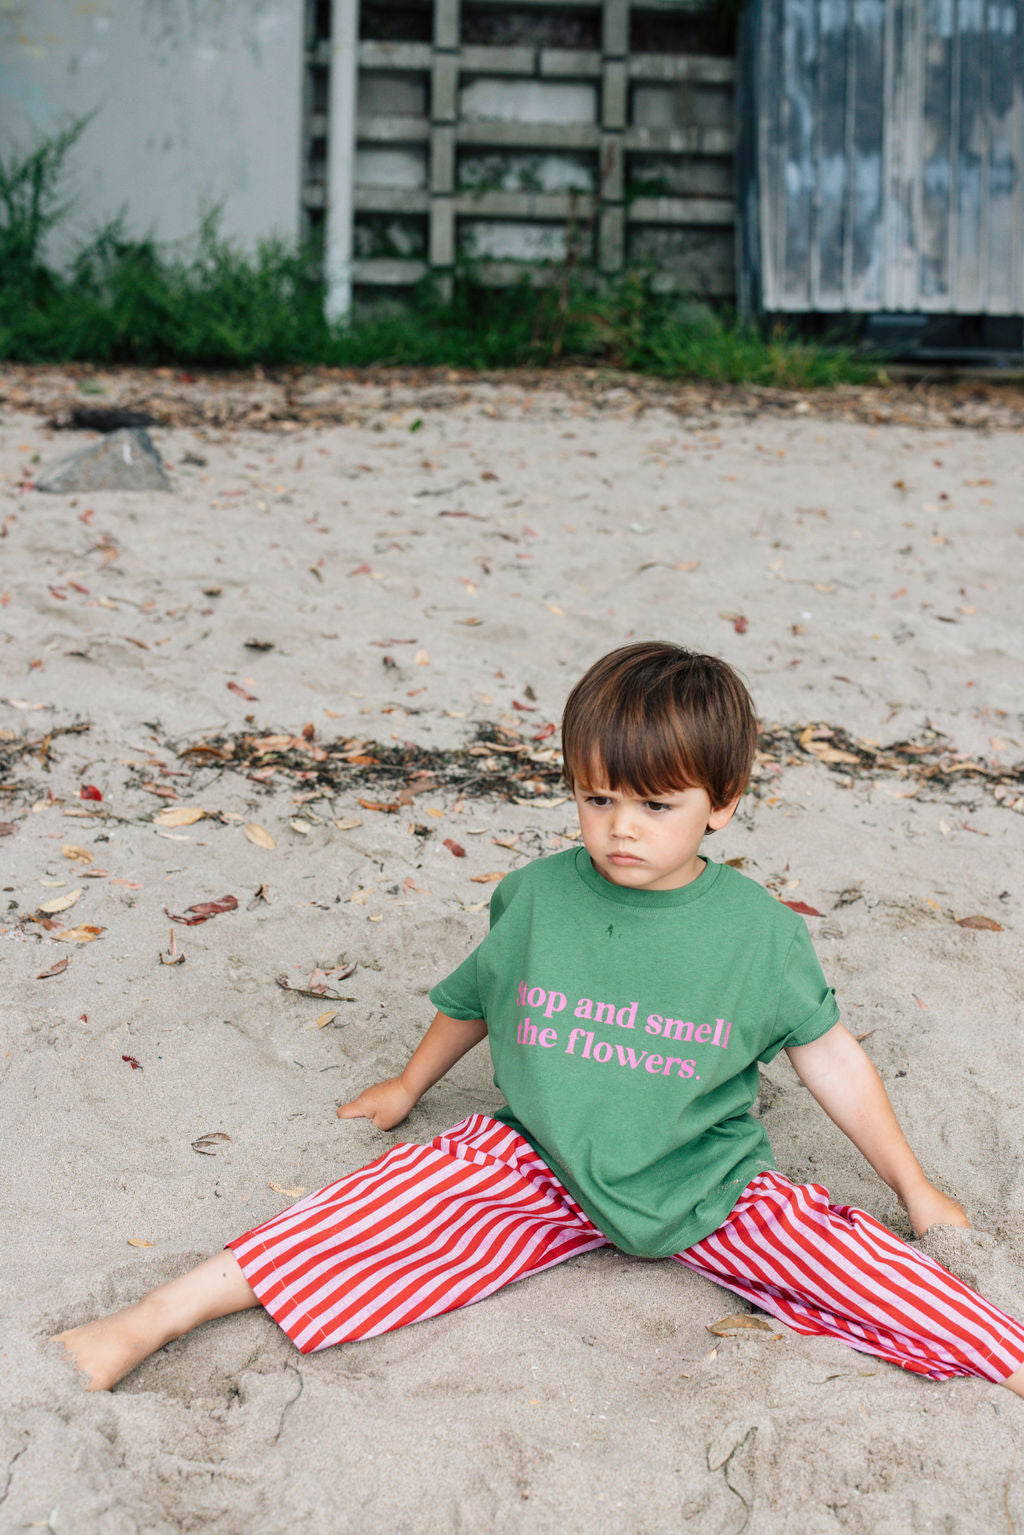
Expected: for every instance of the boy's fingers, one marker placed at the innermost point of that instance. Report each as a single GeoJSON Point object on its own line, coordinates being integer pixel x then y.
{"type": "Point", "coordinates": [351, 1110]}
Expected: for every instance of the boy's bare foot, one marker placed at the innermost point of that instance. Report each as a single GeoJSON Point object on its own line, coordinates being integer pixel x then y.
{"type": "Point", "coordinates": [105, 1350]}
{"type": "Point", "coordinates": [108, 1348]}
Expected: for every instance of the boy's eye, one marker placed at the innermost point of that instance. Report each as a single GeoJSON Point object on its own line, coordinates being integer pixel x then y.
{"type": "Point", "coordinates": [657, 804]}
{"type": "Point", "coordinates": [598, 799]}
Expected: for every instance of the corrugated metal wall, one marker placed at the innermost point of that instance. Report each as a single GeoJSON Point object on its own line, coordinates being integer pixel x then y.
{"type": "Point", "coordinates": [882, 157]}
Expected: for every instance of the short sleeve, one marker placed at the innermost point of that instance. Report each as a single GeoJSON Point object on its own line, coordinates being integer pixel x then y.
{"type": "Point", "coordinates": [807, 1006]}
{"type": "Point", "coordinates": [458, 994]}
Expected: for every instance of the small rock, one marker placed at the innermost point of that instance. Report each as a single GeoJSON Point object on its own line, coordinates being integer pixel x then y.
{"type": "Point", "coordinates": [126, 460]}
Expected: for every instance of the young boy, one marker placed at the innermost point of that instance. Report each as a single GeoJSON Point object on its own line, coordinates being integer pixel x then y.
{"type": "Point", "coordinates": [628, 989]}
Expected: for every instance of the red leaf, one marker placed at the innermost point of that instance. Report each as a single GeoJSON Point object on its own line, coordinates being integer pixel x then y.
{"type": "Point", "coordinates": [740, 624]}
{"type": "Point", "coordinates": [388, 806]}
{"type": "Point", "coordinates": [89, 791]}
{"type": "Point", "coordinates": [57, 969]}
{"type": "Point", "coordinates": [132, 1062]}
{"type": "Point", "coordinates": [524, 708]}
{"type": "Point", "coordinates": [202, 911]}
{"type": "Point", "coordinates": [234, 688]}
{"type": "Point", "coordinates": [542, 735]}
{"type": "Point", "coordinates": [802, 908]}
{"type": "Point", "coordinates": [454, 848]}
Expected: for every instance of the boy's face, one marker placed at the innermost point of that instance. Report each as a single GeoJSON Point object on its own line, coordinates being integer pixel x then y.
{"type": "Point", "coordinates": [647, 844]}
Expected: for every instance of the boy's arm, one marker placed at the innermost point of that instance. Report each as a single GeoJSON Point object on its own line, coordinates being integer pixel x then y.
{"type": "Point", "coordinates": [445, 1042]}
{"type": "Point", "coordinates": [840, 1076]}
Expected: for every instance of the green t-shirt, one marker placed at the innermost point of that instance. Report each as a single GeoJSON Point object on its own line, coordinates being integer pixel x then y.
{"type": "Point", "coordinates": [625, 1028]}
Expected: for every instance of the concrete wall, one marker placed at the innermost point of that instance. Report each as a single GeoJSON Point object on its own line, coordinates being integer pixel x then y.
{"type": "Point", "coordinates": [196, 102]}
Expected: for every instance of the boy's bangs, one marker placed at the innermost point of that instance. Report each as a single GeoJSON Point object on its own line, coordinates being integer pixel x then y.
{"type": "Point", "coordinates": [644, 762]}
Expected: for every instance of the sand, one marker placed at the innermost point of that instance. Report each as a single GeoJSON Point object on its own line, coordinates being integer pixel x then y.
{"type": "Point", "coordinates": [876, 572]}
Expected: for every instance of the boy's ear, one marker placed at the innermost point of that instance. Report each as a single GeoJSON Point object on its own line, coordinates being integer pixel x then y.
{"type": "Point", "coordinates": [723, 815]}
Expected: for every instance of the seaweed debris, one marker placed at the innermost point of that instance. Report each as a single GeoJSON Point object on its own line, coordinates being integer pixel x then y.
{"type": "Point", "coordinates": [498, 763]}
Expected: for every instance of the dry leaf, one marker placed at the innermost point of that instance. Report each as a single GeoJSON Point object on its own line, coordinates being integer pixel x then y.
{"type": "Point", "coordinates": [179, 815]}
{"type": "Point", "coordinates": [84, 934]}
{"type": "Point", "coordinates": [61, 902]}
{"type": "Point", "coordinates": [981, 924]}
{"type": "Point", "coordinates": [202, 911]}
{"type": "Point", "coordinates": [346, 825]}
{"type": "Point", "coordinates": [321, 1023]}
{"type": "Point", "coordinates": [421, 658]}
{"type": "Point", "coordinates": [258, 835]}
{"type": "Point", "coordinates": [206, 1145]}
{"type": "Point", "coordinates": [729, 1325]}
{"type": "Point", "coordinates": [76, 854]}
{"type": "Point", "coordinates": [57, 969]}
{"type": "Point", "coordinates": [288, 1193]}
{"type": "Point", "coordinates": [488, 879]}
{"type": "Point", "coordinates": [321, 984]}
{"type": "Point", "coordinates": [389, 806]}
{"type": "Point", "coordinates": [455, 848]}
{"type": "Point", "coordinates": [138, 1242]}
{"type": "Point", "coordinates": [301, 826]}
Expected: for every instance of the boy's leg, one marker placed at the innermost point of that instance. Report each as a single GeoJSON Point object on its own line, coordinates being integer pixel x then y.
{"type": "Point", "coordinates": [421, 1231]}
{"type": "Point", "coordinates": [112, 1345]}
{"type": "Point", "coordinates": [835, 1270]}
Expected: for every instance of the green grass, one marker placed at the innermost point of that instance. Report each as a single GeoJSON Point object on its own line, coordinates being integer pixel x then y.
{"type": "Point", "coordinates": [215, 305]}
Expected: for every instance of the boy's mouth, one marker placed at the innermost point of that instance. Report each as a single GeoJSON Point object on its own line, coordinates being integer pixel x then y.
{"type": "Point", "coordinates": [624, 858]}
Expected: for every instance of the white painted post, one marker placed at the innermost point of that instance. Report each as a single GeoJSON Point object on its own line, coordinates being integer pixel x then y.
{"type": "Point", "coordinates": [341, 156]}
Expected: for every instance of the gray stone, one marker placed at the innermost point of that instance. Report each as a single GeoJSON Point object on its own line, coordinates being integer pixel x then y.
{"type": "Point", "coordinates": [126, 460]}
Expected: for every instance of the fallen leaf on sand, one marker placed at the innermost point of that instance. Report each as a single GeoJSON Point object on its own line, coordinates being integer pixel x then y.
{"type": "Point", "coordinates": [369, 804]}
{"type": "Point", "coordinates": [130, 1060]}
{"type": "Point", "coordinates": [346, 825]}
{"type": "Point", "coordinates": [76, 854]}
{"type": "Point", "coordinates": [301, 826]}
{"type": "Point", "coordinates": [138, 1242]}
{"type": "Point", "coordinates": [235, 688]}
{"type": "Point", "coordinates": [179, 815]}
{"type": "Point", "coordinates": [288, 1193]}
{"type": "Point", "coordinates": [57, 969]}
{"type": "Point", "coordinates": [259, 835]}
{"type": "Point", "coordinates": [729, 1325]}
{"type": "Point", "coordinates": [321, 984]}
{"type": "Point", "coordinates": [87, 933]}
{"type": "Point", "coordinates": [61, 902]}
{"type": "Point", "coordinates": [202, 911]}
{"type": "Point", "coordinates": [206, 1145]}
{"type": "Point", "coordinates": [89, 791]}
{"type": "Point", "coordinates": [488, 879]}
{"type": "Point", "coordinates": [173, 956]}
{"type": "Point", "coordinates": [455, 848]}
{"type": "Point", "coordinates": [261, 896]}
{"type": "Point", "coordinates": [421, 658]}
{"type": "Point", "coordinates": [802, 908]}
{"type": "Point", "coordinates": [321, 1023]}
{"type": "Point", "coordinates": [981, 924]}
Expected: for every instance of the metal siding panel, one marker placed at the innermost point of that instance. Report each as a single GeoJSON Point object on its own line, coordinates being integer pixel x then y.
{"type": "Point", "coordinates": [799, 57]}
{"type": "Point", "coordinates": [832, 170]}
{"type": "Point", "coordinates": [936, 166]}
{"type": "Point", "coordinates": [1003, 281]}
{"type": "Point", "coordinates": [972, 131]}
{"type": "Point", "coordinates": [868, 40]}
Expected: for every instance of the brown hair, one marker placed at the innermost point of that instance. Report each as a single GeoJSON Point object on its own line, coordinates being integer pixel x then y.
{"type": "Point", "coordinates": [652, 717]}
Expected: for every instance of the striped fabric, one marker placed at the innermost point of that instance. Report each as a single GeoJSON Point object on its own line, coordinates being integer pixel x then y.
{"type": "Point", "coordinates": [428, 1229]}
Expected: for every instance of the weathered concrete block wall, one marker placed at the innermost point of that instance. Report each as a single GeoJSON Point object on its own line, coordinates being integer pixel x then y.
{"type": "Point", "coordinates": [505, 132]}
{"type": "Point", "coordinates": [196, 103]}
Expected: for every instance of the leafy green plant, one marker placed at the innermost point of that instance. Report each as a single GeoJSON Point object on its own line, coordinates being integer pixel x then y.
{"type": "Point", "coordinates": [211, 303]}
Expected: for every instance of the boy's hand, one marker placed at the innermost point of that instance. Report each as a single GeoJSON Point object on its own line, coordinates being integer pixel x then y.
{"type": "Point", "coordinates": [928, 1206]}
{"type": "Point", "coordinates": [385, 1103]}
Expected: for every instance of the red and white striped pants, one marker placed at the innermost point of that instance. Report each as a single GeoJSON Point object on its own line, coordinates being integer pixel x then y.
{"type": "Point", "coordinates": [427, 1229]}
